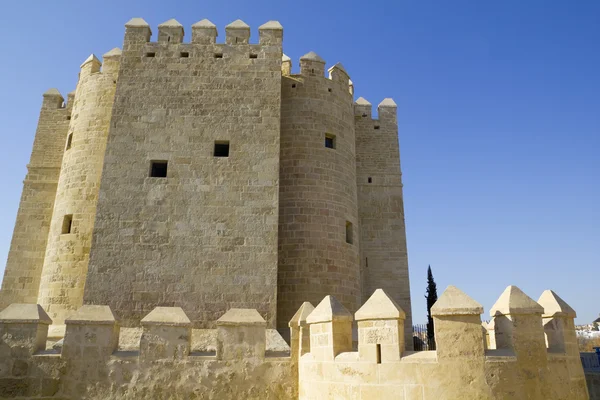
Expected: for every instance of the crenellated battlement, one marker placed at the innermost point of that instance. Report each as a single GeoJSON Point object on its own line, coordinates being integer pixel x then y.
{"type": "Point", "coordinates": [89, 361]}
{"type": "Point", "coordinates": [518, 364]}
{"type": "Point", "coordinates": [204, 33]}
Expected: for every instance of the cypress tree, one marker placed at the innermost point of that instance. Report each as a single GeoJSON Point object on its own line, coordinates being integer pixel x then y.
{"type": "Point", "coordinates": [431, 296]}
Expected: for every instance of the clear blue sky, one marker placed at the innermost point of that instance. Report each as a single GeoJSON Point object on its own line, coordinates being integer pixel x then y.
{"type": "Point", "coordinates": [499, 114]}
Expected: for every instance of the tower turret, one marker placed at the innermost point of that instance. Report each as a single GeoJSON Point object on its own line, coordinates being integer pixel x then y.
{"type": "Point", "coordinates": [318, 213]}
{"type": "Point", "coordinates": [69, 239]}
{"type": "Point", "coordinates": [26, 256]}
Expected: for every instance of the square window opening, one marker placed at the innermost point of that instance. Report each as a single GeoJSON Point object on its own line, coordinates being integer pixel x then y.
{"type": "Point", "coordinates": [67, 224]}
{"type": "Point", "coordinates": [329, 141]}
{"type": "Point", "coordinates": [293, 85]}
{"type": "Point", "coordinates": [218, 55]}
{"type": "Point", "coordinates": [158, 169]}
{"type": "Point", "coordinates": [68, 117]}
{"type": "Point", "coordinates": [349, 233]}
{"type": "Point", "coordinates": [184, 54]}
{"type": "Point", "coordinates": [221, 148]}
{"type": "Point", "coordinates": [329, 90]}
{"type": "Point", "coordinates": [69, 141]}
{"type": "Point", "coordinates": [151, 54]}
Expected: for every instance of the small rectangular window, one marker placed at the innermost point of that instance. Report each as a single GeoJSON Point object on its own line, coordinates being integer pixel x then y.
{"type": "Point", "coordinates": [218, 55]}
{"type": "Point", "coordinates": [253, 55]}
{"type": "Point", "coordinates": [376, 127]}
{"type": "Point", "coordinates": [158, 169]}
{"type": "Point", "coordinates": [67, 224]}
{"type": "Point", "coordinates": [184, 54]}
{"type": "Point", "coordinates": [378, 353]}
{"type": "Point", "coordinates": [329, 141]}
{"type": "Point", "coordinates": [349, 233]}
{"type": "Point", "coordinates": [151, 54]}
{"type": "Point", "coordinates": [221, 148]}
{"type": "Point", "coordinates": [370, 180]}
{"type": "Point", "coordinates": [69, 141]}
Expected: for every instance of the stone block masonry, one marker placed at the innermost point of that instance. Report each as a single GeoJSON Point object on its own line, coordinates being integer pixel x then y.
{"type": "Point", "coordinates": [207, 176]}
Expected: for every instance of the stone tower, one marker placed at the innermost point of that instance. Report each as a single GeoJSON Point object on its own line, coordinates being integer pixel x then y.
{"type": "Point", "coordinates": [208, 176]}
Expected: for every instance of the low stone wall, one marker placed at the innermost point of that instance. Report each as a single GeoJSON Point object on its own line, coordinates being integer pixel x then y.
{"type": "Point", "coordinates": [91, 366]}
{"type": "Point", "coordinates": [518, 364]}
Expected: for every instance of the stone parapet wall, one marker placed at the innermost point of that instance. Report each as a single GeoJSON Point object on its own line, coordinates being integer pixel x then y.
{"type": "Point", "coordinates": [462, 367]}
{"type": "Point", "coordinates": [90, 366]}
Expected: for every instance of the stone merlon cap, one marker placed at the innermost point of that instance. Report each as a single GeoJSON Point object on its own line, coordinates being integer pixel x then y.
{"type": "Point", "coordinates": [91, 58]}
{"type": "Point", "coordinates": [137, 23]}
{"type": "Point", "coordinates": [312, 56]}
{"type": "Point", "coordinates": [170, 316]}
{"type": "Point", "coordinates": [328, 310]}
{"type": "Point", "coordinates": [285, 58]}
{"type": "Point", "coordinates": [299, 318]}
{"type": "Point", "coordinates": [238, 24]}
{"type": "Point", "coordinates": [204, 24]}
{"type": "Point", "coordinates": [172, 23]}
{"type": "Point", "coordinates": [555, 306]}
{"type": "Point", "coordinates": [388, 102]}
{"type": "Point", "coordinates": [361, 101]}
{"type": "Point", "coordinates": [380, 306]}
{"type": "Point", "coordinates": [338, 66]}
{"type": "Point", "coordinates": [92, 315]}
{"type": "Point", "coordinates": [273, 25]}
{"type": "Point", "coordinates": [52, 92]}
{"type": "Point", "coordinates": [24, 314]}
{"type": "Point", "coordinates": [455, 302]}
{"type": "Point", "coordinates": [241, 316]}
{"type": "Point", "coordinates": [514, 301]}
{"type": "Point", "coordinates": [116, 52]}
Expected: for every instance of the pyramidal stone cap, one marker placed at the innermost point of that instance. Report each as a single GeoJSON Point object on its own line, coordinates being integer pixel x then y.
{"type": "Point", "coordinates": [116, 52]}
{"type": "Point", "coordinates": [273, 25]}
{"type": "Point", "coordinates": [312, 56]}
{"type": "Point", "coordinates": [172, 23]}
{"type": "Point", "coordinates": [455, 302]}
{"type": "Point", "coordinates": [388, 102]}
{"type": "Point", "coordinates": [285, 58]}
{"type": "Point", "coordinates": [338, 66]}
{"type": "Point", "coordinates": [92, 315]}
{"type": "Point", "coordinates": [514, 301]}
{"type": "Point", "coordinates": [91, 58]}
{"type": "Point", "coordinates": [52, 92]}
{"type": "Point", "coordinates": [137, 23]}
{"type": "Point", "coordinates": [555, 306]}
{"type": "Point", "coordinates": [299, 319]}
{"type": "Point", "coordinates": [329, 310]}
{"type": "Point", "coordinates": [170, 316]}
{"type": "Point", "coordinates": [237, 24]}
{"type": "Point", "coordinates": [24, 314]}
{"type": "Point", "coordinates": [361, 101]}
{"type": "Point", "coordinates": [242, 316]}
{"type": "Point", "coordinates": [380, 306]}
{"type": "Point", "coordinates": [205, 23]}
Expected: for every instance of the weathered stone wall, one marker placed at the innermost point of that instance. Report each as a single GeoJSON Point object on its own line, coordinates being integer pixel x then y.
{"type": "Point", "coordinates": [90, 366]}
{"type": "Point", "coordinates": [67, 253]}
{"type": "Point", "coordinates": [461, 367]}
{"type": "Point", "coordinates": [317, 190]}
{"type": "Point", "coordinates": [205, 237]}
{"type": "Point", "coordinates": [383, 252]}
{"type": "Point", "coordinates": [26, 256]}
